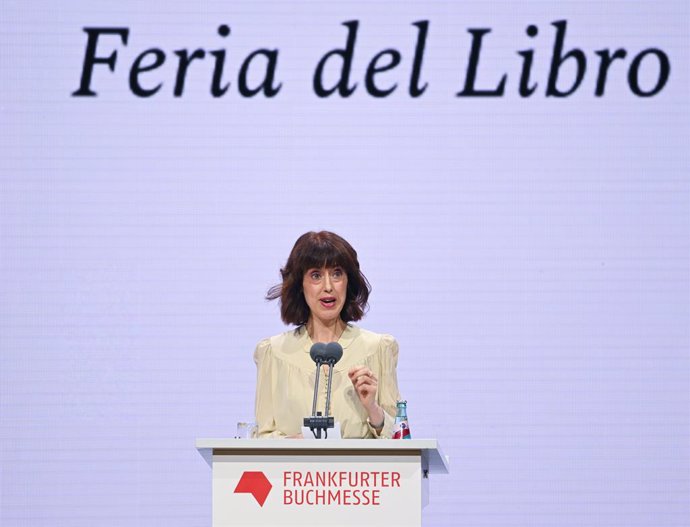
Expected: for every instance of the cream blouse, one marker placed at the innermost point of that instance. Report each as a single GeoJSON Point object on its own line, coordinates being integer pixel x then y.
{"type": "Point", "coordinates": [286, 376]}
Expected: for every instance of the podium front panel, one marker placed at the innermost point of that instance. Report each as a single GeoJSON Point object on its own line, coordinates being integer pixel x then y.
{"type": "Point", "coordinates": [265, 489]}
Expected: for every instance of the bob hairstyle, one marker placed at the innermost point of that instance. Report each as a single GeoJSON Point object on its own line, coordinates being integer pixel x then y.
{"type": "Point", "coordinates": [317, 250]}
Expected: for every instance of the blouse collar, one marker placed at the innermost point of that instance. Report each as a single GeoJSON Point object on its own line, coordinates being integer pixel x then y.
{"type": "Point", "coordinates": [345, 339]}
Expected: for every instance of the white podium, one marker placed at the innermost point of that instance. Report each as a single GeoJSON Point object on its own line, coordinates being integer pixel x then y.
{"type": "Point", "coordinates": [343, 482]}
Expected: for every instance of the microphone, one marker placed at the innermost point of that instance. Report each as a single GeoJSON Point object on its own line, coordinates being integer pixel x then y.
{"type": "Point", "coordinates": [322, 354]}
{"type": "Point", "coordinates": [332, 353]}
{"type": "Point", "coordinates": [316, 353]}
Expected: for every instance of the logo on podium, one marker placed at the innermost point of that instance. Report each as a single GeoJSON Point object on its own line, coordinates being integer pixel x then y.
{"type": "Point", "coordinates": [256, 484]}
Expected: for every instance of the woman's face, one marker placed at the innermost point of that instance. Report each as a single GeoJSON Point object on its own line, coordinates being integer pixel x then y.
{"type": "Point", "coordinates": [325, 291]}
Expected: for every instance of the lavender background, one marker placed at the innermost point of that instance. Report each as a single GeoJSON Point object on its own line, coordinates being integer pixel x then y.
{"type": "Point", "coordinates": [532, 256]}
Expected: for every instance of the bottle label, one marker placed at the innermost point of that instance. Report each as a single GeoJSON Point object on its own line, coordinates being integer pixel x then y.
{"type": "Point", "coordinates": [402, 430]}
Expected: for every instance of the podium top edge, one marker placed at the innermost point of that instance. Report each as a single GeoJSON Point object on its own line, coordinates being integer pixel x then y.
{"type": "Point", "coordinates": [311, 444]}
{"type": "Point", "coordinates": [433, 458]}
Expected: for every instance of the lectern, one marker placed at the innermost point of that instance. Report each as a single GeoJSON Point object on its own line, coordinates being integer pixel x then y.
{"type": "Point", "coordinates": [304, 482]}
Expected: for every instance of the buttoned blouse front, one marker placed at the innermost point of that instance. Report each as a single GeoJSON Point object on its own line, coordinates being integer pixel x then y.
{"type": "Point", "coordinates": [286, 377]}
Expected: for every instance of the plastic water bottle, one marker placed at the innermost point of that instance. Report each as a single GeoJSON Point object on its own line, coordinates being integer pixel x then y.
{"type": "Point", "coordinates": [401, 429]}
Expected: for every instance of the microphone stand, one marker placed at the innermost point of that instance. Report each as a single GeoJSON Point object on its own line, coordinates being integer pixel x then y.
{"type": "Point", "coordinates": [317, 422]}
{"type": "Point", "coordinates": [316, 387]}
{"type": "Point", "coordinates": [328, 391]}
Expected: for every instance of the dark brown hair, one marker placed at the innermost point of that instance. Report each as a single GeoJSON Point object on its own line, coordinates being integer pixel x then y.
{"type": "Point", "coordinates": [317, 250]}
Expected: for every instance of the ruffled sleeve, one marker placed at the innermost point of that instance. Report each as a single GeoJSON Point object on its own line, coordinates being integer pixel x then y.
{"type": "Point", "coordinates": [263, 357]}
{"type": "Point", "coordinates": [388, 394]}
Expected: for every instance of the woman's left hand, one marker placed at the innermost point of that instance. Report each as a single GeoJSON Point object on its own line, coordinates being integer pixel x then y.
{"type": "Point", "coordinates": [366, 384]}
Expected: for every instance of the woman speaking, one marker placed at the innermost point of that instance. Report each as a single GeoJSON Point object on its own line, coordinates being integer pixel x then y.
{"type": "Point", "coordinates": [322, 291]}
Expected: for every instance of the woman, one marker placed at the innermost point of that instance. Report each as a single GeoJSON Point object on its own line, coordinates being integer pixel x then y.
{"type": "Point", "coordinates": [322, 291]}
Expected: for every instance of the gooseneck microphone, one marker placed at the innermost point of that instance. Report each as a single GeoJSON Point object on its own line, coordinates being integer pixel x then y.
{"type": "Point", "coordinates": [331, 355]}
{"type": "Point", "coordinates": [321, 354]}
{"type": "Point", "coordinates": [316, 354]}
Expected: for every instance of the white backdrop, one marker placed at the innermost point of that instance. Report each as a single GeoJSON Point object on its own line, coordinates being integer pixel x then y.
{"type": "Point", "coordinates": [531, 255]}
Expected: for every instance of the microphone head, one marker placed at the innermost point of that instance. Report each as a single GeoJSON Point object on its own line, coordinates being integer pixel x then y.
{"type": "Point", "coordinates": [316, 352]}
{"type": "Point", "coordinates": [332, 353]}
